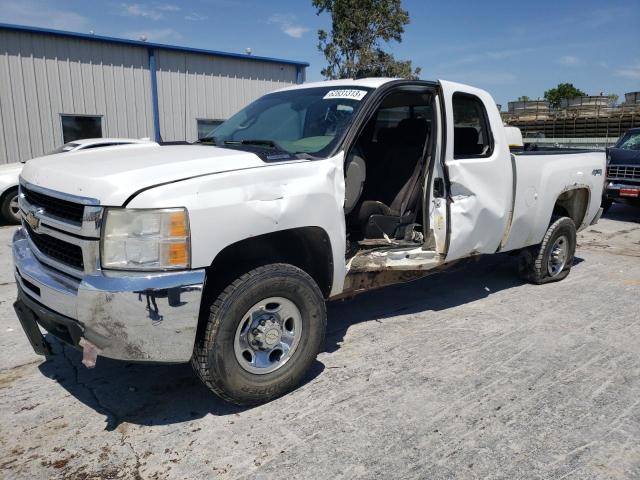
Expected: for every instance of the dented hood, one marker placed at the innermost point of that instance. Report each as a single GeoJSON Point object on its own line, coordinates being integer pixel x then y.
{"type": "Point", "coordinates": [113, 175]}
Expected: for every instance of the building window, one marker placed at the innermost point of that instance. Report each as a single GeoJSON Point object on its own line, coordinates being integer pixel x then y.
{"type": "Point", "coordinates": [78, 127]}
{"type": "Point", "coordinates": [206, 126]}
{"type": "Point", "coordinates": [471, 133]}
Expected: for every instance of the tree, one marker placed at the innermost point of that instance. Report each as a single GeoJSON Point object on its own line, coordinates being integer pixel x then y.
{"type": "Point", "coordinates": [523, 98]}
{"type": "Point", "coordinates": [353, 47]}
{"type": "Point", "coordinates": [563, 90]}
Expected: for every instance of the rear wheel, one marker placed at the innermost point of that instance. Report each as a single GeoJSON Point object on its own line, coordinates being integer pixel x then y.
{"type": "Point", "coordinates": [263, 333]}
{"type": "Point", "coordinates": [551, 260]}
{"type": "Point", "coordinates": [9, 207]}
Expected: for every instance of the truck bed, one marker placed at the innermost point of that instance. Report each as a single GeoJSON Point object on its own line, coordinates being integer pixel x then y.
{"type": "Point", "coordinates": [539, 183]}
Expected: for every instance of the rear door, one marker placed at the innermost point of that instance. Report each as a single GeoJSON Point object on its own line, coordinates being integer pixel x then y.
{"type": "Point", "coordinates": [480, 172]}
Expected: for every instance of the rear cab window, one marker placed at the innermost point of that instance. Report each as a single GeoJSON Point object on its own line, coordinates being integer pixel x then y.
{"type": "Point", "coordinates": [471, 134]}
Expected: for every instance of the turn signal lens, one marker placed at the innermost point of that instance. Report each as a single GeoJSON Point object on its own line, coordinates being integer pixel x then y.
{"type": "Point", "coordinates": [178, 254]}
{"type": "Point", "coordinates": [178, 224]}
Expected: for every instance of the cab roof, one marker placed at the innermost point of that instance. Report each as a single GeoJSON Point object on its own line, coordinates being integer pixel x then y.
{"type": "Point", "coordinates": [347, 82]}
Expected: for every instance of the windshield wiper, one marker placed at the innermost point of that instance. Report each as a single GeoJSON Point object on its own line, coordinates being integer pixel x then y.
{"type": "Point", "coordinates": [271, 144]}
{"type": "Point", "coordinates": [304, 156]}
{"type": "Point", "coordinates": [256, 141]}
{"type": "Point", "coordinates": [208, 141]}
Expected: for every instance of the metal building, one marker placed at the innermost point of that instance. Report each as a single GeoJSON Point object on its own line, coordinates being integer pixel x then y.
{"type": "Point", "coordinates": [58, 86]}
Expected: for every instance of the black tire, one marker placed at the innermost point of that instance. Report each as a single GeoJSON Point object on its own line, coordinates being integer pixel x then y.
{"type": "Point", "coordinates": [606, 205]}
{"type": "Point", "coordinates": [534, 261]}
{"type": "Point", "coordinates": [214, 359]}
{"type": "Point", "coordinates": [7, 209]}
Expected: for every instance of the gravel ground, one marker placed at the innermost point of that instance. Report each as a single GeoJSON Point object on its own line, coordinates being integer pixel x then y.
{"type": "Point", "coordinates": [466, 374]}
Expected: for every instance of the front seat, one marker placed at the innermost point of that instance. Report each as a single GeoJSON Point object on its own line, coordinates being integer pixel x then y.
{"type": "Point", "coordinates": [355, 173]}
{"type": "Point", "coordinates": [402, 171]}
{"type": "Point", "coordinates": [465, 141]}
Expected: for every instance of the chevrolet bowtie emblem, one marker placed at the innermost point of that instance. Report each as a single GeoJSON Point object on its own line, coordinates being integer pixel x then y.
{"type": "Point", "coordinates": [32, 221]}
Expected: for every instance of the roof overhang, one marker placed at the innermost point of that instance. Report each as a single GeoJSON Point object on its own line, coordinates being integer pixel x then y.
{"type": "Point", "coordinates": [138, 43]}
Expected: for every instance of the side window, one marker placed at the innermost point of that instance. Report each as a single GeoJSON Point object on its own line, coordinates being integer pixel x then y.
{"type": "Point", "coordinates": [77, 127]}
{"type": "Point", "coordinates": [388, 119]}
{"type": "Point", "coordinates": [471, 135]}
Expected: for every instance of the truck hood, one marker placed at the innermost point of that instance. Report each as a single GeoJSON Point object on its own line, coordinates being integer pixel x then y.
{"type": "Point", "coordinates": [113, 175]}
{"type": "Point", "coordinates": [620, 156]}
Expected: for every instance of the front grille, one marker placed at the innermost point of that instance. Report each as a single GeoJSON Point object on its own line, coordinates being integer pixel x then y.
{"type": "Point", "coordinates": [55, 206]}
{"type": "Point", "coordinates": [63, 252]}
{"type": "Point", "coordinates": [623, 172]}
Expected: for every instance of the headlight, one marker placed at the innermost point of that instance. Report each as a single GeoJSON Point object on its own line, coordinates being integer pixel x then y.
{"type": "Point", "coordinates": [140, 239]}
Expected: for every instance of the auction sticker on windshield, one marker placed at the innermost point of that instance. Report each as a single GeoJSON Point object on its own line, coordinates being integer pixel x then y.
{"type": "Point", "coordinates": [352, 94]}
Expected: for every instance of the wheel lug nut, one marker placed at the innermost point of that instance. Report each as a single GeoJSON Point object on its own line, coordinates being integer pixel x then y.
{"type": "Point", "coordinates": [263, 322]}
{"type": "Point", "coordinates": [255, 331]}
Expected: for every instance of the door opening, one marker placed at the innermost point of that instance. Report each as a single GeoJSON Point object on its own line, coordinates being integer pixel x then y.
{"type": "Point", "coordinates": [385, 171]}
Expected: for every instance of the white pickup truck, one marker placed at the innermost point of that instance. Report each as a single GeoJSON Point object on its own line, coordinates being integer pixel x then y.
{"type": "Point", "coordinates": [223, 253]}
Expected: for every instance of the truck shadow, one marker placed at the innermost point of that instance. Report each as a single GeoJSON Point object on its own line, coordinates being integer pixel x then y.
{"type": "Point", "coordinates": [141, 394]}
{"type": "Point", "coordinates": [467, 282]}
{"type": "Point", "coordinates": [623, 213]}
{"type": "Point", "coordinates": [148, 394]}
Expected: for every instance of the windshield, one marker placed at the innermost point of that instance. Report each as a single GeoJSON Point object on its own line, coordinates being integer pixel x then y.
{"type": "Point", "coordinates": [67, 147]}
{"type": "Point", "coordinates": [303, 122]}
{"type": "Point", "coordinates": [631, 141]}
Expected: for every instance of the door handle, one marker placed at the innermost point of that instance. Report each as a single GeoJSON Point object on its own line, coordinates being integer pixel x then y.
{"type": "Point", "coordinates": [438, 187]}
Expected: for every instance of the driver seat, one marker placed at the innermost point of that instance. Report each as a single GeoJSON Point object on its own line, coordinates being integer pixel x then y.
{"type": "Point", "coordinates": [401, 161]}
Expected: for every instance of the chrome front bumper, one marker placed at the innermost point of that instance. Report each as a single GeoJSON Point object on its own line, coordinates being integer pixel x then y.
{"type": "Point", "coordinates": [128, 316]}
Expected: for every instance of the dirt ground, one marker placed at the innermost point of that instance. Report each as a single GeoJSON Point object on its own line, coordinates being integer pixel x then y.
{"type": "Point", "coordinates": [466, 374]}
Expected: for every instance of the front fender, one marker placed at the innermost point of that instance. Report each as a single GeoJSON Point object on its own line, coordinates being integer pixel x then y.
{"type": "Point", "coordinates": [229, 207]}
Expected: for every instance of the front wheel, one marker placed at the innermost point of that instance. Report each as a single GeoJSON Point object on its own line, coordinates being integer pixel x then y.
{"type": "Point", "coordinates": [263, 333]}
{"type": "Point", "coordinates": [550, 261]}
{"type": "Point", "coordinates": [9, 209]}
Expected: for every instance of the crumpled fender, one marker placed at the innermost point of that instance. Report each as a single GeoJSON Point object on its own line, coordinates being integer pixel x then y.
{"type": "Point", "coordinates": [228, 207]}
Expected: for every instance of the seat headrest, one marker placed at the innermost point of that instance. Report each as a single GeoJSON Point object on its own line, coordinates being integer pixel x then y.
{"type": "Point", "coordinates": [412, 131]}
{"type": "Point", "coordinates": [465, 140]}
{"type": "Point", "coordinates": [386, 136]}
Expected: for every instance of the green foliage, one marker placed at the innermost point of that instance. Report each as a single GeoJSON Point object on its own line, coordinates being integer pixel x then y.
{"type": "Point", "coordinates": [353, 47]}
{"type": "Point", "coordinates": [563, 90]}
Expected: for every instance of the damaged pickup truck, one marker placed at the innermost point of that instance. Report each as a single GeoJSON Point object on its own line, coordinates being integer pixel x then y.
{"type": "Point", "coordinates": [223, 253]}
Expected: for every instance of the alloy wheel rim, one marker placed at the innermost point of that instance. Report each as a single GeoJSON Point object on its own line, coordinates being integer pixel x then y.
{"type": "Point", "coordinates": [14, 207]}
{"type": "Point", "coordinates": [268, 335]}
{"type": "Point", "coordinates": [558, 256]}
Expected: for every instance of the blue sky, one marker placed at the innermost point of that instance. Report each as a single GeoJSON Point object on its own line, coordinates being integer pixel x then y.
{"type": "Point", "coordinates": [509, 48]}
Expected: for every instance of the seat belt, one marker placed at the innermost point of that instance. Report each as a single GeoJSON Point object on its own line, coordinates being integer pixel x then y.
{"type": "Point", "coordinates": [406, 192]}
